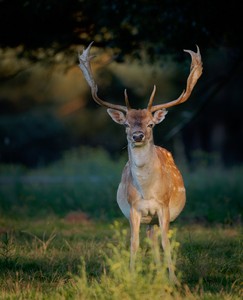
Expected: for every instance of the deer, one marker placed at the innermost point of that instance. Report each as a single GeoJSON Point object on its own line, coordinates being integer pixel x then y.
{"type": "Point", "coordinates": [151, 190]}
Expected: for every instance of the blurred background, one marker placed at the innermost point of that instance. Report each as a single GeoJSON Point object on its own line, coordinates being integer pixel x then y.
{"type": "Point", "coordinates": [46, 106]}
{"type": "Point", "coordinates": [46, 109]}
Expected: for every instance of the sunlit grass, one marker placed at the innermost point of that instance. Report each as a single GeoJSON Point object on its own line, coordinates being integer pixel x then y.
{"type": "Point", "coordinates": [56, 241]}
{"type": "Point", "coordinates": [77, 261]}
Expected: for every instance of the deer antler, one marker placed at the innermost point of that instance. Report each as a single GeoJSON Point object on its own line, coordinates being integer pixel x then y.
{"type": "Point", "coordinates": [84, 65]}
{"type": "Point", "coordinates": [195, 73]}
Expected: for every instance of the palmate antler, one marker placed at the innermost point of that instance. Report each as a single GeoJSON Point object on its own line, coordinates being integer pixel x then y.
{"type": "Point", "coordinates": [195, 73]}
{"type": "Point", "coordinates": [84, 65]}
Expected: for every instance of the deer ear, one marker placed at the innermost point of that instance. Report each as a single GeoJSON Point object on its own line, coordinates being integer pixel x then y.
{"type": "Point", "coordinates": [159, 115]}
{"type": "Point", "coordinates": [117, 116]}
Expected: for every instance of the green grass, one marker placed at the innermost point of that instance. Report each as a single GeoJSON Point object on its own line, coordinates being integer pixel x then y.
{"type": "Point", "coordinates": [62, 260]}
{"type": "Point", "coordinates": [57, 242]}
{"type": "Point", "coordinates": [83, 180]}
{"type": "Point", "coordinates": [87, 180]}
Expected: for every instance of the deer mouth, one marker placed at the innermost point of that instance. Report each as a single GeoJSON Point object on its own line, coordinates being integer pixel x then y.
{"type": "Point", "coordinates": [138, 144]}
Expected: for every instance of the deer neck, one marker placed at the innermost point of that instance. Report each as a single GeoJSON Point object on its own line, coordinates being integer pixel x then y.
{"type": "Point", "coordinates": [143, 161]}
{"type": "Point", "coordinates": [141, 157]}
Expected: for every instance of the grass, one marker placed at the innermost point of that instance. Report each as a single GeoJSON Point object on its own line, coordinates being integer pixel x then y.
{"type": "Point", "coordinates": [62, 260]}
{"type": "Point", "coordinates": [83, 180]}
{"type": "Point", "coordinates": [57, 242]}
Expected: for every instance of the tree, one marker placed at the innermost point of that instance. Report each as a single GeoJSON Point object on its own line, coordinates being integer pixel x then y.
{"type": "Point", "coordinates": [130, 27]}
{"type": "Point", "coordinates": [48, 32]}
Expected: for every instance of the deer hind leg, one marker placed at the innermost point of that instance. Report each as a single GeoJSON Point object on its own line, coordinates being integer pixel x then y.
{"type": "Point", "coordinates": [135, 220]}
{"type": "Point", "coordinates": [164, 221]}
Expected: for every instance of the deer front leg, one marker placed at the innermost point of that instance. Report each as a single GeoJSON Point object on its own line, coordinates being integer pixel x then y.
{"type": "Point", "coordinates": [135, 219]}
{"type": "Point", "coordinates": [164, 221]}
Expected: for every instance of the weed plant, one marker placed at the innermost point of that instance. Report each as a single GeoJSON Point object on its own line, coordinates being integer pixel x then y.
{"type": "Point", "coordinates": [46, 255]}
{"type": "Point", "coordinates": [149, 280]}
{"type": "Point", "coordinates": [76, 261]}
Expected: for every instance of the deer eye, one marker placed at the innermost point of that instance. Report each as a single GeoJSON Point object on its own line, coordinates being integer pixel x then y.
{"type": "Point", "coordinates": [126, 125]}
{"type": "Point", "coordinates": [151, 125]}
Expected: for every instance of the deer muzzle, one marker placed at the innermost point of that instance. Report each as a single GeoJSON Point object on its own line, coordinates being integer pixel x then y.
{"type": "Point", "coordinates": [138, 136]}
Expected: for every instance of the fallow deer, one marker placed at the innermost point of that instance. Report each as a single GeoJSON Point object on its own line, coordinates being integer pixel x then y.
{"type": "Point", "coordinates": [151, 190]}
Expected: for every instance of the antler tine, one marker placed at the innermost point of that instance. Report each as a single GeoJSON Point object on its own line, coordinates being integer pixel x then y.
{"type": "Point", "coordinates": [126, 100]}
{"type": "Point", "coordinates": [195, 73]}
{"type": "Point", "coordinates": [84, 64]}
{"type": "Point", "coordinates": [150, 104]}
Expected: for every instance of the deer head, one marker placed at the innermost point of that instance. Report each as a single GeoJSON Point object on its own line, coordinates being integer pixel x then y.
{"type": "Point", "coordinates": [139, 123]}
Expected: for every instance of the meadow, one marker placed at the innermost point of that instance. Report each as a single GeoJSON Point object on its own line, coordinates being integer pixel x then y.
{"type": "Point", "coordinates": [62, 235]}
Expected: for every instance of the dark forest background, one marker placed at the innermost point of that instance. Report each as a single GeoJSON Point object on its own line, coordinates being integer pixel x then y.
{"type": "Point", "coordinates": [45, 104]}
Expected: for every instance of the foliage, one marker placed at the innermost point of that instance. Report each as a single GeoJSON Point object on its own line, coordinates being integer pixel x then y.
{"type": "Point", "coordinates": [87, 182]}
{"type": "Point", "coordinates": [49, 34]}
{"type": "Point", "coordinates": [56, 241]}
{"type": "Point", "coordinates": [53, 259]}
{"type": "Point", "coordinates": [214, 194]}
{"type": "Point", "coordinates": [39, 138]}
{"type": "Point", "coordinates": [154, 26]}
{"type": "Point", "coordinates": [117, 281]}
{"type": "Point", "coordinates": [86, 179]}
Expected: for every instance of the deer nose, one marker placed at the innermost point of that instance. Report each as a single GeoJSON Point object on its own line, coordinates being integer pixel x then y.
{"type": "Point", "coordinates": [138, 136]}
